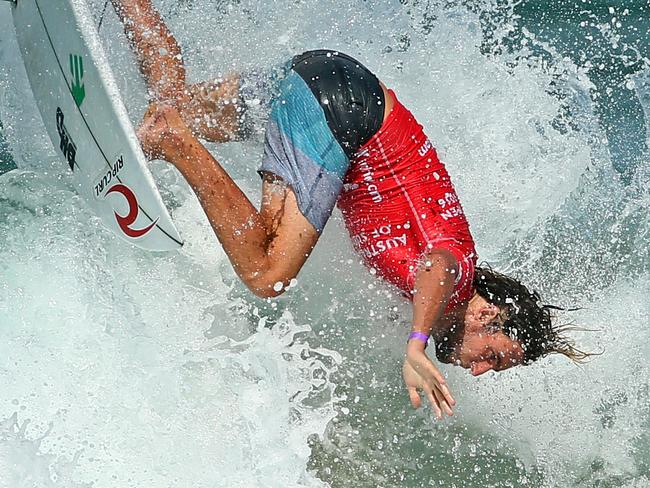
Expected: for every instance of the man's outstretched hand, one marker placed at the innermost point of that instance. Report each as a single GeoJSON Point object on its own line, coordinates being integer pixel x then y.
{"type": "Point", "coordinates": [421, 374]}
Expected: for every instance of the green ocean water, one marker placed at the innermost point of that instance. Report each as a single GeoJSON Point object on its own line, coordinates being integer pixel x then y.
{"type": "Point", "coordinates": [613, 38]}
{"type": "Point", "coordinates": [539, 109]}
{"type": "Point", "coordinates": [6, 161]}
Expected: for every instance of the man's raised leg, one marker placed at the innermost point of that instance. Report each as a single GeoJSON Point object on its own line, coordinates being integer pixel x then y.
{"type": "Point", "coordinates": [155, 48]}
{"type": "Point", "coordinates": [266, 248]}
{"type": "Point", "coordinates": [210, 109]}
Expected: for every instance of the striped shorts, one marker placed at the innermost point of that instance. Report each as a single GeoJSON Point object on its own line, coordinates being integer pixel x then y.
{"type": "Point", "coordinates": [326, 107]}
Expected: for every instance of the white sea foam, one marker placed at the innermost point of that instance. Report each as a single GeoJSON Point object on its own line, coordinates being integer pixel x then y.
{"type": "Point", "coordinates": [137, 366]}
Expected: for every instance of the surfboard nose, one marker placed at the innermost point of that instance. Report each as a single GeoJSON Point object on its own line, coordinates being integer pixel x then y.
{"type": "Point", "coordinates": [86, 120]}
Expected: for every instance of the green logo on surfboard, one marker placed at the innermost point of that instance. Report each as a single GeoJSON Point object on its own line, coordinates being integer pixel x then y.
{"type": "Point", "coordinates": [77, 70]}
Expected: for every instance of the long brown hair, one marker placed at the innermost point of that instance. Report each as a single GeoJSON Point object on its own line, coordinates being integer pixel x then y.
{"type": "Point", "coordinates": [525, 318]}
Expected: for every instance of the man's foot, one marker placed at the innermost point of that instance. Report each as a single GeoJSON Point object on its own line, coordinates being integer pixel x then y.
{"type": "Point", "coordinates": [213, 109]}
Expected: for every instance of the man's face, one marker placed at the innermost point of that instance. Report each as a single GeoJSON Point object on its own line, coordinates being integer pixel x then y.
{"type": "Point", "coordinates": [483, 347]}
{"type": "Point", "coordinates": [481, 352]}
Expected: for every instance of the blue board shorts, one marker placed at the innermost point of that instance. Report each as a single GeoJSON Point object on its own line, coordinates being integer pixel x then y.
{"type": "Point", "coordinates": [324, 108]}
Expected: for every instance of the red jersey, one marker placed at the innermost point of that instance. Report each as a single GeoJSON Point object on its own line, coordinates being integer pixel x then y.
{"type": "Point", "coordinates": [398, 203]}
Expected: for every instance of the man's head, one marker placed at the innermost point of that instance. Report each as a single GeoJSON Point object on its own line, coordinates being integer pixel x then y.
{"type": "Point", "coordinates": [505, 325]}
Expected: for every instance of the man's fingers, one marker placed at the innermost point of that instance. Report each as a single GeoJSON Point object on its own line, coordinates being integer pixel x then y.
{"type": "Point", "coordinates": [437, 375]}
{"type": "Point", "coordinates": [444, 405]}
{"type": "Point", "coordinates": [442, 385]}
{"type": "Point", "coordinates": [447, 395]}
{"type": "Point", "coordinates": [434, 404]}
{"type": "Point", "coordinates": [415, 398]}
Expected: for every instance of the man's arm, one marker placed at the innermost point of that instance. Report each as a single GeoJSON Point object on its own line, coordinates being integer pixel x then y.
{"type": "Point", "coordinates": [434, 285]}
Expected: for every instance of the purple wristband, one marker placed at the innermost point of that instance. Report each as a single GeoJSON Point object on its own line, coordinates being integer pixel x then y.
{"type": "Point", "coordinates": [419, 336]}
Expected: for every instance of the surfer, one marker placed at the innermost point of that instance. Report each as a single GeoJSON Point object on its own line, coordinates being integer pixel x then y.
{"type": "Point", "coordinates": [337, 135]}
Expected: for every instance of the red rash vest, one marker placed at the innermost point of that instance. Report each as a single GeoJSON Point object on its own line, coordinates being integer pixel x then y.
{"type": "Point", "coordinates": [398, 202]}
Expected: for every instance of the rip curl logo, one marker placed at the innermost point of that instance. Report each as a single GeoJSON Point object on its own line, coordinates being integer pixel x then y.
{"type": "Point", "coordinates": [108, 176]}
{"type": "Point", "coordinates": [126, 221]}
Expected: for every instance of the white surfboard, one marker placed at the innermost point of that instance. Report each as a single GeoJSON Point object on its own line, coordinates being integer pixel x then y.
{"type": "Point", "coordinates": [87, 122]}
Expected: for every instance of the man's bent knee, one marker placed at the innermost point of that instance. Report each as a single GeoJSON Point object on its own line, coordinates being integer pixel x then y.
{"type": "Point", "coordinates": [267, 284]}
